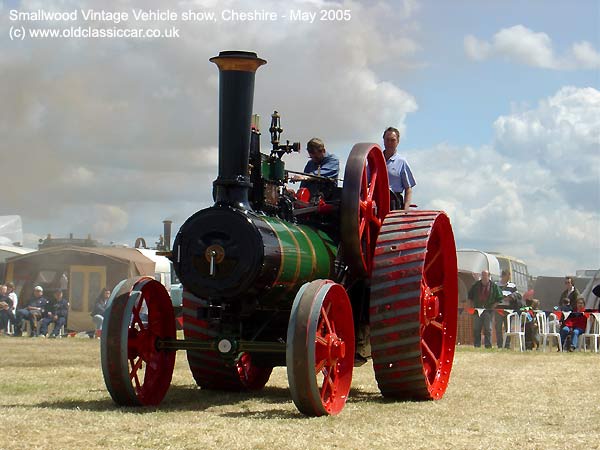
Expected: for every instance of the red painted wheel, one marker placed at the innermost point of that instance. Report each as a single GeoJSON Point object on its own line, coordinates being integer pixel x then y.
{"type": "Point", "coordinates": [320, 348]}
{"type": "Point", "coordinates": [135, 372]}
{"type": "Point", "coordinates": [414, 305]}
{"type": "Point", "coordinates": [365, 203]}
{"type": "Point", "coordinates": [209, 369]}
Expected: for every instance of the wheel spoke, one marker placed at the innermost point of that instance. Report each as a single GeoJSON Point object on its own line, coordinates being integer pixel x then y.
{"type": "Point", "coordinates": [326, 320]}
{"type": "Point", "coordinates": [138, 321]}
{"type": "Point", "coordinates": [136, 315]}
{"type": "Point", "coordinates": [429, 352]}
{"type": "Point", "coordinates": [362, 226]}
{"type": "Point", "coordinates": [437, 289]}
{"type": "Point", "coordinates": [136, 383]}
{"type": "Point", "coordinates": [321, 340]}
{"type": "Point", "coordinates": [372, 185]}
{"type": "Point", "coordinates": [362, 206]}
{"type": "Point", "coordinates": [436, 324]}
{"type": "Point", "coordinates": [432, 260]}
{"type": "Point", "coordinates": [375, 222]}
{"type": "Point", "coordinates": [320, 365]}
{"type": "Point", "coordinates": [434, 291]}
{"type": "Point", "coordinates": [136, 365]}
{"type": "Point", "coordinates": [133, 339]}
{"type": "Point", "coordinates": [328, 385]}
{"type": "Point", "coordinates": [138, 306]}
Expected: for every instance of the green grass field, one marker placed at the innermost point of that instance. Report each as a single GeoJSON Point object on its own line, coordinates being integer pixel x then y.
{"type": "Point", "coordinates": [52, 395]}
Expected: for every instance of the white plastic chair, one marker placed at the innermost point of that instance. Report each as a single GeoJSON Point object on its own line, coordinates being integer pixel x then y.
{"type": "Point", "coordinates": [592, 332]}
{"type": "Point", "coordinates": [61, 332]}
{"type": "Point", "coordinates": [10, 327]}
{"type": "Point", "coordinates": [549, 328]}
{"type": "Point", "coordinates": [514, 327]}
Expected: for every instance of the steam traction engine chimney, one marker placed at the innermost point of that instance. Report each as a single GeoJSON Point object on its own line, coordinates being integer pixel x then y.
{"type": "Point", "coordinates": [167, 234]}
{"type": "Point", "coordinates": [236, 93]}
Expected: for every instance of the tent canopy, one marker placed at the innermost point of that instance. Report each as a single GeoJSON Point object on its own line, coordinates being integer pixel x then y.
{"type": "Point", "coordinates": [138, 263]}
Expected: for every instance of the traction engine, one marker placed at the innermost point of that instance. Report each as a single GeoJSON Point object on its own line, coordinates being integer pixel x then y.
{"type": "Point", "coordinates": [317, 281]}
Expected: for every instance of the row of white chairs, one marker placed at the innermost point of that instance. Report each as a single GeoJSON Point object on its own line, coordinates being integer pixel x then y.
{"type": "Point", "coordinates": [549, 328]}
{"type": "Point", "coordinates": [10, 328]}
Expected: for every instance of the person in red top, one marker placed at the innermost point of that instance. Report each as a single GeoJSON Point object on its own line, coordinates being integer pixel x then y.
{"type": "Point", "coordinates": [574, 325]}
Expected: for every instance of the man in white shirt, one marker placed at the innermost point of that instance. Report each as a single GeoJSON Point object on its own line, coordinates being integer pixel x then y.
{"type": "Point", "coordinates": [399, 174]}
{"type": "Point", "coordinates": [12, 295]}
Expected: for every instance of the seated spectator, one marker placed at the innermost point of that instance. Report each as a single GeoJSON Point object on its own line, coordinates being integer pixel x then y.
{"type": "Point", "coordinates": [34, 311]}
{"type": "Point", "coordinates": [532, 332]}
{"type": "Point", "coordinates": [57, 314]}
{"type": "Point", "coordinates": [99, 310]}
{"type": "Point", "coordinates": [6, 309]}
{"type": "Point", "coordinates": [12, 295]}
{"type": "Point", "coordinates": [574, 325]}
{"type": "Point", "coordinates": [564, 305]}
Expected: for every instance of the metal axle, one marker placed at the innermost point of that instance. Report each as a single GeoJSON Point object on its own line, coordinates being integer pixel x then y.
{"type": "Point", "coordinates": [236, 346]}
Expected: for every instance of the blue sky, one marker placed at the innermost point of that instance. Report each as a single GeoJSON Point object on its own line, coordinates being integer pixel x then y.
{"type": "Point", "coordinates": [498, 102]}
{"type": "Point", "coordinates": [451, 79]}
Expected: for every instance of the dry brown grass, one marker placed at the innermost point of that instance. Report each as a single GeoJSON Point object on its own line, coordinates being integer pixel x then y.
{"type": "Point", "coordinates": [52, 395]}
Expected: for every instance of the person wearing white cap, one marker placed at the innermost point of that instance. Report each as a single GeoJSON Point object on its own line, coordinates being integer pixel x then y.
{"type": "Point", "coordinates": [35, 310]}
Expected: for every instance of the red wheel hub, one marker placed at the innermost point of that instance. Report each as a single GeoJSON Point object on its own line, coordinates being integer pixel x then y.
{"type": "Point", "coordinates": [431, 303]}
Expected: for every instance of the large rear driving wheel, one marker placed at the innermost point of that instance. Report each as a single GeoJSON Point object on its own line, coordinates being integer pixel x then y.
{"type": "Point", "coordinates": [209, 369]}
{"type": "Point", "coordinates": [413, 307]}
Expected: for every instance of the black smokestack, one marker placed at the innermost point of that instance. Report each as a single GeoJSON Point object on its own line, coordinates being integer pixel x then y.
{"type": "Point", "coordinates": [236, 95]}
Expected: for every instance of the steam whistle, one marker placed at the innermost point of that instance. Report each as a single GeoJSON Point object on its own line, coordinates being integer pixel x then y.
{"type": "Point", "coordinates": [276, 130]}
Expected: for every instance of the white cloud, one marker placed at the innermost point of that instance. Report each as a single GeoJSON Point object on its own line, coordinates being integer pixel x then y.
{"type": "Point", "coordinates": [476, 49]}
{"type": "Point", "coordinates": [131, 124]}
{"type": "Point", "coordinates": [106, 220]}
{"type": "Point", "coordinates": [524, 46]}
{"type": "Point", "coordinates": [534, 193]}
{"type": "Point", "coordinates": [562, 133]}
{"type": "Point", "coordinates": [586, 55]}
{"type": "Point", "coordinates": [109, 137]}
